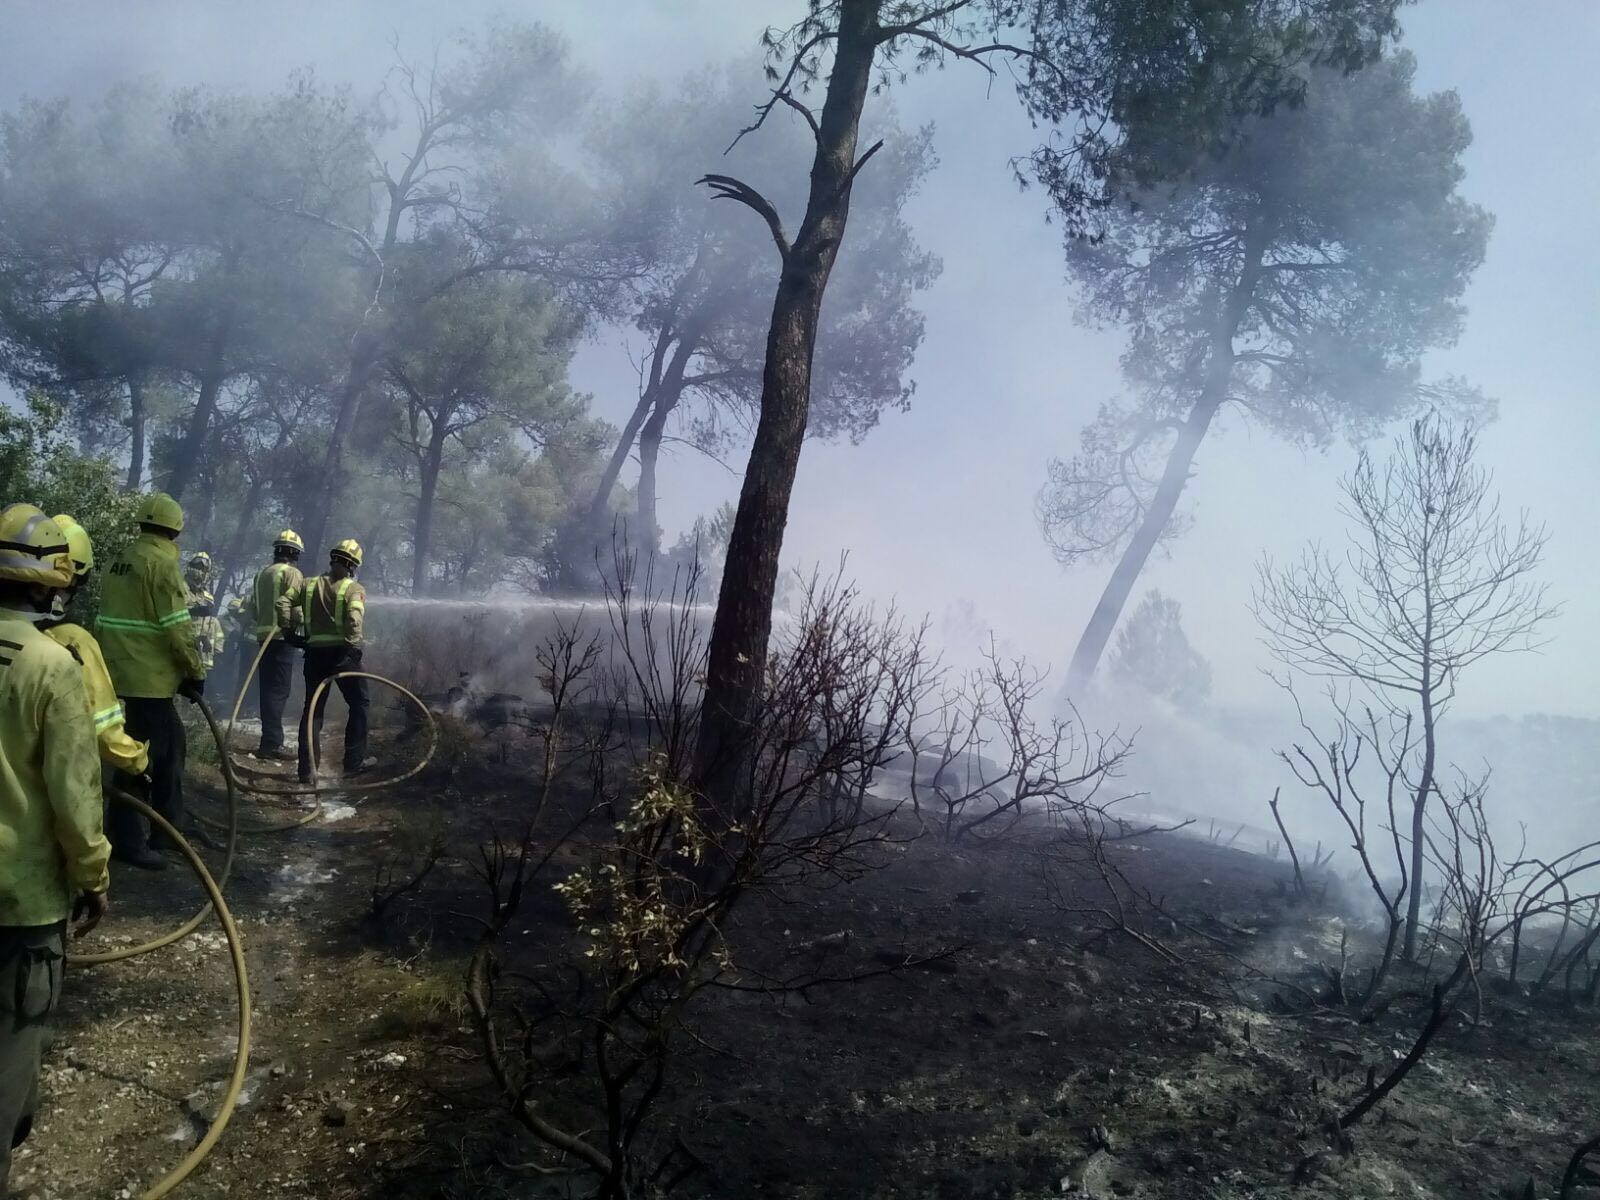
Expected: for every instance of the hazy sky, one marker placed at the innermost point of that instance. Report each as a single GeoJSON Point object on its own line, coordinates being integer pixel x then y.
{"type": "Point", "coordinates": [936, 507]}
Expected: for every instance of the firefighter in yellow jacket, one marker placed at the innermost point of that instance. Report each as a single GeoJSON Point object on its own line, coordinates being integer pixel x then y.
{"type": "Point", "coordinates": [52, 849]}
{"type": "Point", "coordinates": [333, 608]}
{"type": "Point", "coordinates": [209, 636]}
{"type": "Point", "coordinates": [148, 637]}
{"type": "Point", "coordinates": [280, 579]}
{"type": "Point", "coordinates": [117, 750]}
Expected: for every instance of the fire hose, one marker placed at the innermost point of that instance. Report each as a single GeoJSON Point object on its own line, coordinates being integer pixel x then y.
{"type": "Point", "coordinates": [213, 885]}
{"type": "Point", "coordinates": [241, 979]}
{"type": "Point", "coordinates": [313, 788]}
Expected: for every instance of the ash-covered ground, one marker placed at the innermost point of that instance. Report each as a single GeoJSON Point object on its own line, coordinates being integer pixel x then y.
{"type": "Point", "coordinates": [1030, 1052]}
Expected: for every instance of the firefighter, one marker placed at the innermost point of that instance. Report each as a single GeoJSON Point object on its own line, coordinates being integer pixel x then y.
{"type": "Point", "coordinates": [332, 609]}
{"type": "Point", "coordinates": [117, 750]}
{"type": "Point", "coordinates": [148, 637]}
{"type": "Point", "coordinates": [53, 849]}
{"type": "Point", "coordinates": [208, 632]}
{"type": "Point", "coordinates": [273, 583]}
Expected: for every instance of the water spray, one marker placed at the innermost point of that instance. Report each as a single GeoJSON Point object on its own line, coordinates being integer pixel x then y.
{"type": "Point", "coordinates": [313, 788]}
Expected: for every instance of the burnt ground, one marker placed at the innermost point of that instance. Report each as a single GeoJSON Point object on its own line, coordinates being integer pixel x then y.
{"type": "Point", "coordinates": [1036, 1060]}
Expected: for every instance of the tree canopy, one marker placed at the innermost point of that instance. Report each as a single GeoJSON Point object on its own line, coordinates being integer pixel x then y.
{"type": "Point", "coordinates": [1153, 654]}
{"type": "Point", "coordinates": [701, 308]}
{"type": "Point", "coordinates": [1296, 279]}
{"type": "Point", "coordinates": [254, 300]}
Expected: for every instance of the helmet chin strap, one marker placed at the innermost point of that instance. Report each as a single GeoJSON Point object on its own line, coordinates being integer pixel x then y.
{"type": "Point", "coordinates": [36, 615]}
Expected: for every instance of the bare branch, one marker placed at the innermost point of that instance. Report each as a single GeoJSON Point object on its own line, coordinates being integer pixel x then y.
{"type": "Point", "coordinates": [726, 187]}
{"type": "Point", "coordinates": [811, 120]}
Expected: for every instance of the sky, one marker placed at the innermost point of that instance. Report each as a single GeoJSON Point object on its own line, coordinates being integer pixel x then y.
{"type": "Point", "coordinates": [936, 508]}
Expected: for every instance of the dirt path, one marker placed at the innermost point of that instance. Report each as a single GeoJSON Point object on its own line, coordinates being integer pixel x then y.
{"type": "Point", "coordinates": [144, 1047]}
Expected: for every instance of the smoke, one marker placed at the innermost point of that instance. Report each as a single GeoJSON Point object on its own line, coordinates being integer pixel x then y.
{"type": "Point", "coordinates": [936, 507]}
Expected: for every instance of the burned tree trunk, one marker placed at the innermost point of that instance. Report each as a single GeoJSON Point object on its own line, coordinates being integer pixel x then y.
{"type": "Point", "coordinates": [667, 395]}
{"type": "Point", "coordinates": [362, 363]}
{"type": "Point", "coordinates": [1213, 395]}
{"type": "Point", "coordinates": [136, 425]}
{"type": "Point", "coordinates": [1419, 803]}
{"type": "Point", "coordinates": [649, 454]}
{"type": "Point", "coordinates": [739, 635]}
{"type": "Point", "coordinates": [619, 456]}
{"type": "Point", "coordinates": [1097, 633]}
{"type": "Point", "coordinates": [422, 536]}
{"type": "Point", "coordinates": [212, 377]}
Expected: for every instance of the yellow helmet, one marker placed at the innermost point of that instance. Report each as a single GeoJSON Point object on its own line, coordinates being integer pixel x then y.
{"type": "Point", "coordinates": [349, 548]}
{"type": "Point", "coordinates": [79, 546]}
{"type": "Point", "coordinates": [32, 548]}
{"type": "Point", "coordinates": [160, 509]}
{"type": "Point", "coordinates": [288, 540]}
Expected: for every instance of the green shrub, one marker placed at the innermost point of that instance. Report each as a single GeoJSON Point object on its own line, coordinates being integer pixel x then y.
{"type": "Point", "coordinates": [40, 465]}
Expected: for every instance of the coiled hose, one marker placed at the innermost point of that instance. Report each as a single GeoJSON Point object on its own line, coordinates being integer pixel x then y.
{"type": "Point", "coordinates": [214, 885]}
{"type": "Point", "coordinates": [314, 788]}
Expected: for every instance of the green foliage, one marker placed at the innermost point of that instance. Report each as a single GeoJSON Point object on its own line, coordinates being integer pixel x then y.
{"type": "Point", "coordinates": [209, 282]}
{"type": "Point", "coordinates": [631, 905]}
{"type": "Point", "coordinates": [1148, 93]}
{"type": "Point", "coordinates": [479, 377]}
{"type": "Point", "coordinates": [39, 465]}
{"type": "Point", "coordinates": [412, 998]}
{"type": "Point", "coordinates": [1329, 243]}
{"type": "Point", "coordinates": [1153, 654]}
{"type": "Point", "coordinates": [1298, 278]}
{"type": "Point", "coordinates": [705, 545]}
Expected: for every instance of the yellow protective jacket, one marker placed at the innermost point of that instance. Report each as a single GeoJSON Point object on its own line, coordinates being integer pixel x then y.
{"type": "Point", "coordinates": [209, 637]}
{"type": "Point", "coordinates": [144, 625]}
{"type": "Point", "coordinates": [52, 845]}
{"type": "Point", "coordinates": [239, 623]}
{"type": "Point", "coordinates": [117, 749]}
{"type": "Point", "coordinates": [333, 611]}
{"type": "Point", "coordinates": [272, 584]}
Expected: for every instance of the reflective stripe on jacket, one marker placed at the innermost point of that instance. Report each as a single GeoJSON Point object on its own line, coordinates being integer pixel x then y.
{"type": "Point", "coordinates": [117, 749]}
{"type": "Point", "coordinates": [208, 635]}
{"type": "Point", "coordinates": [144, 625]}
{"type": "Point", "coordinates": [332, 611]}
{"type": "Point", "coordinates": [51, 841]}
{"type": "Point", "coordinates": [272, 584]}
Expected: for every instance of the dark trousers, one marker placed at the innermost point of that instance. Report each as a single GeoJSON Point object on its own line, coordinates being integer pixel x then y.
{"type": "Point", "coordinates": [277, 677]}
{"type": "Point", "coordinates": [154, 721]}
{"type": "Point", "coordinates": [322, 662]}
{"type": "Point", "coordinates": [31, 958]}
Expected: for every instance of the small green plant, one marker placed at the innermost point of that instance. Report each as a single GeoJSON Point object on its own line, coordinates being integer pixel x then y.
{"type": "Point", "coordinates": [40, 465]}
{"type": "Point", "coordinates": [625, 904]}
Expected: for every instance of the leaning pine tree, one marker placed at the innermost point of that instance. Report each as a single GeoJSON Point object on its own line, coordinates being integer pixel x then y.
{"type": "Point", "coordinates": [1297, 278]}
{"type": "Point", "coordinates": [1168, 76]}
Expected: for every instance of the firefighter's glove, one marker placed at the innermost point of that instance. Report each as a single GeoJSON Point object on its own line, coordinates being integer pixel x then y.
{"type": "Point", "coordinates": [87, 911]}
{"type": "Point", "coordinates": [192, 690]}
